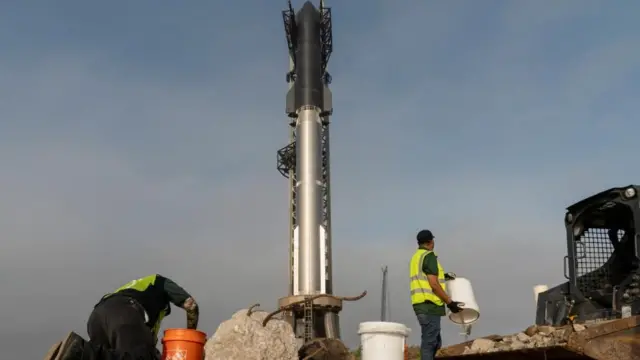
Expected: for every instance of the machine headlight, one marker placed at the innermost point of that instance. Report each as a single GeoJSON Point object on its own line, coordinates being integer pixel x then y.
{"type": "Point", "coordinates": [569, 217]}
{"type": "Point", "coordinates": [629, 193]}
{"type": "Point", "coordinates": [577, 230]}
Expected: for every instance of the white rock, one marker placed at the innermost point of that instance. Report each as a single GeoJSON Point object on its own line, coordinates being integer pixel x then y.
{"type": "Point", "coordinates": [243, 338]}
{"type": "Point", "coordinates": [522, 337]}
{"type": "Point", "coordinates": [545, 330]}
{"type": "Point", "coordinates": [482, 345]}
{"type": "Point", "coordinates": [578, 327]}
{"type": "Point", "coordinates": [541, 341]}
{"type": "Point", "coordinates": [516, 345]}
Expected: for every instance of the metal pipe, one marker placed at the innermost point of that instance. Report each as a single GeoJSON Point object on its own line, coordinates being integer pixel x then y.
{"type": "Point", "coordinates": [328, 242]}
{"type": "Point", "coordinates": [331, 326]}
{"type": "Point", "coordinates": [309, 184]}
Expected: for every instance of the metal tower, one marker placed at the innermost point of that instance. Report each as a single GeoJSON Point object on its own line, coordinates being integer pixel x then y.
{"type": "Point", "coordinates": [305, 162]}
{"type": "Point", "coordinates": [383, 302]}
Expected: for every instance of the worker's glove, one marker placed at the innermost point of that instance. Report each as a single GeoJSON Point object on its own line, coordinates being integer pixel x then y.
{"type": "Point", "coordinates": [449, 276]}
{"type": "Point", "coordinates": [455, 306]}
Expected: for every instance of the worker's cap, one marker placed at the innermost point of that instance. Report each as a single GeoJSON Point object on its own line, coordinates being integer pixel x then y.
{"type": "Point", "coordinates": [424, 236]}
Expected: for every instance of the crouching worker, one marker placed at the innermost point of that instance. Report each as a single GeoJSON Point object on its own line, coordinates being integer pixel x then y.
{"type": "Point", "coordinates": [125, 324]}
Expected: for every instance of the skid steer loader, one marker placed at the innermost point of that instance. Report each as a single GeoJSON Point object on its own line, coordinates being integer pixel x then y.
{"type": "Point", "coordinates": [596, 313]}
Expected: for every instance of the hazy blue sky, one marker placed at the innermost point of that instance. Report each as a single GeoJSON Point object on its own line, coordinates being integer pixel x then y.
{"type": "Point", "coordinates": [141, 136]}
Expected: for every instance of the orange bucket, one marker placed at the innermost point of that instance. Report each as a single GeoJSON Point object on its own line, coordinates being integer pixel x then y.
{"type": "Point", "coordinates": [183, 344]}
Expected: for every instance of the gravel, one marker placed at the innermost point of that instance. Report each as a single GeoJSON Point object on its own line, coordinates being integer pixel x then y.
{"type": "Point", "coordinates": [533, 337]}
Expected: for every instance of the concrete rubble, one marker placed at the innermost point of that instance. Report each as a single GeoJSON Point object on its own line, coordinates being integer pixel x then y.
{"type": "Point", "coordinates": [533, 337]}
{"type": "Point", "coordinates": [244, 338]}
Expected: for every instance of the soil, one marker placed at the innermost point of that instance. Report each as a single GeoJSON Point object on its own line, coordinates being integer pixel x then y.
{"type": "Point", "coordinates": [325, 349]}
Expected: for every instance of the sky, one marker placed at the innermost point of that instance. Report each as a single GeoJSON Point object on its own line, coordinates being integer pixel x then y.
{"type": "Point", "coordinates": [140, 137]}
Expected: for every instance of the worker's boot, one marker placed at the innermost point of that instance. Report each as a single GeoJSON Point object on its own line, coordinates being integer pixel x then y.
{"type": "Point", "coordinates": [71, 348]}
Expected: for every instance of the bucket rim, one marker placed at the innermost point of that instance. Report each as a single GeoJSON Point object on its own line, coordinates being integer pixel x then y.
{"type": "Point", "coordinates": [383, 327]}
{"type": "Point", "coordinates": [477, 317]}
{"type": "Point", "coordinates": [181, 334]}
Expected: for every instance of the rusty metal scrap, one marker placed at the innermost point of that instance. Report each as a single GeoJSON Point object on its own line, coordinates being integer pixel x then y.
{"type": "Point", "coordinates": [290, 306]}
{"type": "Point", "coordinates": [250, 310]}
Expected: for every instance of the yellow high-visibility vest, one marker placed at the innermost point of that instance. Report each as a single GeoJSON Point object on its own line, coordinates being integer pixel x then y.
{"type": "Point", "coordinates": [146, 294]}
{"type": "Point", "coordinates": [420, 289]}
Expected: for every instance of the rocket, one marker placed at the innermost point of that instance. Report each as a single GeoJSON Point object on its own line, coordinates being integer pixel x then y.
{"type": "Point", "coordinates": [305, 162]}
{"type": "Point", "coordinates": [309, 102]}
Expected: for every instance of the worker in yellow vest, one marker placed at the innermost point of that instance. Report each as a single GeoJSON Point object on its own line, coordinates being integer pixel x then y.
{"type": "Point", "coordinates": [124, 324]}
{"type": "Point", "coordinates": [428, 294]}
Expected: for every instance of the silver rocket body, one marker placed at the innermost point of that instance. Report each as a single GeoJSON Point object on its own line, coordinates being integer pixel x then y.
{"type": "Point", "coordinates": [305, 161]}
{"type": "Point", "coordinates": [306, 102]}
{"type": "Point", "coordinates": [309, 210]}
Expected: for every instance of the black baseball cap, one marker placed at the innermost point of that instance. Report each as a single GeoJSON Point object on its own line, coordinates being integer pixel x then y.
{"type": "Point", "coordinates": [424, 236]}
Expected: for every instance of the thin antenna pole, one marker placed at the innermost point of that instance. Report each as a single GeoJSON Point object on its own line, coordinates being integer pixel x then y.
{"type": "Point", "coordinates": [389, 314]}
{"type": "Point", "coordinates": [383, 305]}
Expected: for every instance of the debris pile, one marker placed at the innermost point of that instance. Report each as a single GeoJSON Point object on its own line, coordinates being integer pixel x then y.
{"type": "Point", "coordinates": [244, 338]}
{"type": "Point", "coordinates": [533, 337]}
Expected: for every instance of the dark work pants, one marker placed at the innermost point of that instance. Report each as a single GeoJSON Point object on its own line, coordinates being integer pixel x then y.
{"type": "Point", "coordinates": [431, 339]}
{"type": "Point", "coordinates": [117, 331]}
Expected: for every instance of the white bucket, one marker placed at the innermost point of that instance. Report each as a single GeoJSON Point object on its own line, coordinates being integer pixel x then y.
{"type": "Point", "coordinates": [537, 290]}
{"type": "Point", "coordinates": [460, 289]}
{"type": "Point", "coordinates": [382, 340]}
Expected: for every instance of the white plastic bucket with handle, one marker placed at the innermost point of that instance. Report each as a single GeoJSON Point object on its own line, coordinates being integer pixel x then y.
{"type": "Point", "coordinates": [460, 290]}
{"type": "Point", "coordinates": [382, 340]}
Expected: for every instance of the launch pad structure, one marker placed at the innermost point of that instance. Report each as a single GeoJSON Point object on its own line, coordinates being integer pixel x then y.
{"type": "Point", "coordinates": [305, 162]}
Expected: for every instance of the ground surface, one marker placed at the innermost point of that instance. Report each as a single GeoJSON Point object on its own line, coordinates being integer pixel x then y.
{"type": "Point", "coordinates": [414, 353]}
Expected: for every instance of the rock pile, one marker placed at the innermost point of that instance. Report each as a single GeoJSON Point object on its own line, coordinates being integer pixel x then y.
{"type": "Point", "coordinates": [244, 338]}
{"type": "Point", "coordinates": [532, 337]}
